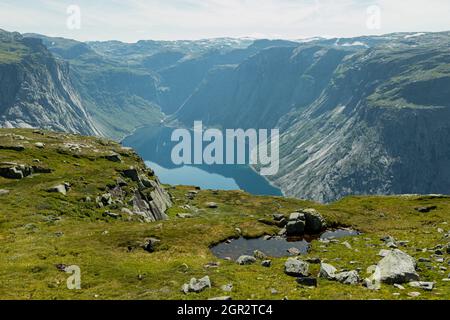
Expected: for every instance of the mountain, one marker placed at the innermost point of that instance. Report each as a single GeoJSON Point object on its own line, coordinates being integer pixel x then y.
{"type": "Point", "coordinates": [364, 115]}
{"type": "Point", "coordinates": [36, 90]}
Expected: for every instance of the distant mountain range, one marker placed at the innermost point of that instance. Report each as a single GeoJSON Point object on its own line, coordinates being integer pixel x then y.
{"type": "Point", "coordinates": [365, 115]}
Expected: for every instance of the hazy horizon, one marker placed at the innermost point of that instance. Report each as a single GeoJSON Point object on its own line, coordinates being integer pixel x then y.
{"type": "Point", "coordinates": [134, 20]}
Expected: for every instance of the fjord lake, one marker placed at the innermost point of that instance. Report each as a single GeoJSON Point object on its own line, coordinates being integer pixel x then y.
{"type": "Point", "coordinates": [154, 145]}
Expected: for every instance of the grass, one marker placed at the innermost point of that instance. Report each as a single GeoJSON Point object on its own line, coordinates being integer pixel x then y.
{"type": "Point", "coordinates": [39, 230]}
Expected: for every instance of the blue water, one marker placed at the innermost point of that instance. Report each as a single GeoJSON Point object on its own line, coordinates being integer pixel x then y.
{"type": "Point", "coordinates": [154, 145]}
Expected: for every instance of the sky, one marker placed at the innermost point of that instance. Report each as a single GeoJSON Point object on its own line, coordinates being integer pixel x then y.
{"type": "Point", "coordinates": [134, 20]}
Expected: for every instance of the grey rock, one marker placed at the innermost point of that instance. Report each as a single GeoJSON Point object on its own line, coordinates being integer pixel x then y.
{"type": "Point", "coordinates": [227, 287]}
{"type": "Point", "coordinates": [196, 285]}
{"type": "Point", "coordinates": [294, 251]}
{"type": "Point", "coordinates": [106, 199]}
{"type": "Point", "coordinates": [266, 263]}
{"type": "Point", "coordinates": [350, 277]}
{"type": "Point", "coordinates": [278, 216]}
{"type": "Point", "coordinates": [296, 225]}
{"type": "Point", "coordinates": [296, 268]}
{"type": "Point", "coordinates": [259, 255]}
{"type": "Point", "coordinates": [315, 223]}
{"type": "Point", "coordinates": [61, 188]}
{"type": "Point", "coordinates": [114, 157]}
{"type": "Point", "coordinates": [428, 286]}
{"type": "Point", "coordinates": [3, 192]}
{"type": "Point", "coordinates": [397, 267]}
{"type": "Point", "coordinates": [39, 145]}
{"type": "Point", "coordinates": [245, 260]}
{"type": "Point", "coordinates": [327, 271]}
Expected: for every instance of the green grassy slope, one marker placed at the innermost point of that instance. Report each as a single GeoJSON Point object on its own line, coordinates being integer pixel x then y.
{"type": "Point", "coordinates": [40, 230]}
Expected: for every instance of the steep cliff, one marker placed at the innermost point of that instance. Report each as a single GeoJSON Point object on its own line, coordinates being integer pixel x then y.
{"type": "Point", "coordinates": [36, 90]}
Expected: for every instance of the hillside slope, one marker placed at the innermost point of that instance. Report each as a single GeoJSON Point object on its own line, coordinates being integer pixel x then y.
{"type": "Point", "coordinates": [89, 221]}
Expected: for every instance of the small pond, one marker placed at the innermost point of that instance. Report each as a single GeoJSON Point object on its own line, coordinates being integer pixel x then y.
{"type": "Point", "coordinates": [274, 246]}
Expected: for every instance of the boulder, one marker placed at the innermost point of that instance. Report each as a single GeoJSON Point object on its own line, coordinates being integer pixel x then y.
{"type": "Point", "coordinates": [397, 267]}
{"type": "Point", "coordinates": [196, 285]}
{"type": "Point", "coordinates": [350, 277]}
{"type": "Point", "coordinates": [106, 199]}
{"type": "Point", "coordinates": [245, 260]}
{"type": "Point", "coordinates": [315, 223]}
{"type": "Point", "coordinates": [327, 271]}
{"type": "Point", "coordinates": [296, 268]}
{"type": "Point", "coordinates": [296, 225]}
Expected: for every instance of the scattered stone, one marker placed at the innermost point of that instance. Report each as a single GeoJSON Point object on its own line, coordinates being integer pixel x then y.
{"type": "Point", "coordinates": [106, 199]}
{"type": "Point", "coordinates": [347, 245]}
{"type": "Point", "coordinates": [3, 192]}
{"type": "Point", "coordinates": [184, 215]}
{"type": "Point", "coordinates": [210, 265]}
{"type": "Point", "coordinates": [274, 291]}
{"type": "Point", "coordinates": [259, 255]}
{"type": "Point", "coordinates": [111, 215]}
{"type": "Point", "coordinates": [211, 205]}
{"type": "Point", "coordinates": [315, 223]}
{"type": "Point", "coordinates": [150, 244]}
{"type": "Point", "coordinates": [350, 277]}
{"type": "Point", "coordinates": [397, 267]}
{"type": "Point", "coordinates": [294, 251]}
{"type": "Point", "coordinates": [327, 271]}
{"type": "Point", "coordinates": [428, 286]}
{"type": "Point", "coordinates": [39, 145]}
{"type": "Point", "coordinates": [399, 286]}
{"type": "Point", "coordinates": [196, 285]}
{"type": "Point", "coordinates": [114, 157]}
{"type": "Point", "coordinates": [266, 263]}
{"type": "Point", "coordinates": [296, 268]}
{"type": "Point", "coordinates": [426, 209]}
{"type": "Point", "coordinates": [414, 294]}
{"type": "Point", "coordinates": [245, 260]}
{"type": "Point", "coordinates": [227, 287]}
{"type": "Point", "coordinates": [307, 281]}
{"type": "Point", "coordinates": [61, 188]}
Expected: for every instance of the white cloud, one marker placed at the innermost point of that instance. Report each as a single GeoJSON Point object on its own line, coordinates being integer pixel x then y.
{"type": "Point", "coordinates": [192, 19]}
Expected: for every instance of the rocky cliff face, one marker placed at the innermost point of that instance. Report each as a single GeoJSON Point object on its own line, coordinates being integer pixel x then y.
{"type": "Point", "coordinates": [36, 90]}
{"type": "Point", "coordinates": [370, 132]}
